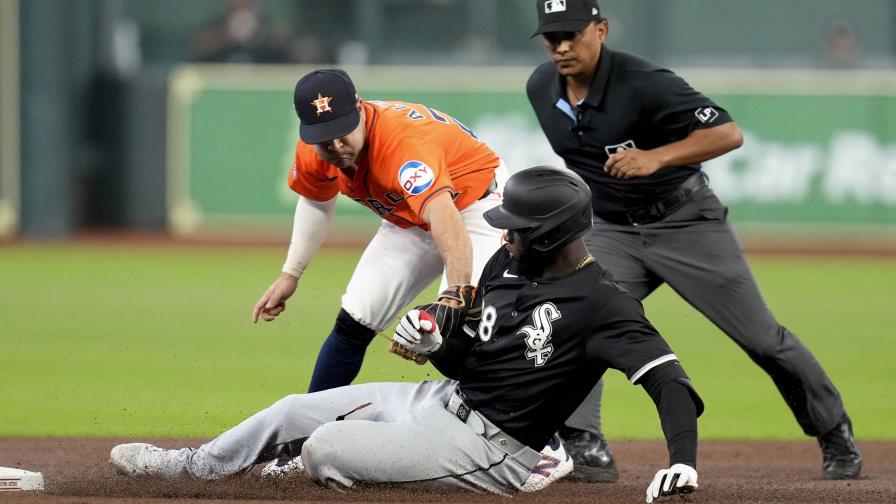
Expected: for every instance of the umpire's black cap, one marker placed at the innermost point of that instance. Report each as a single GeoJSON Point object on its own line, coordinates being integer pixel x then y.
{"type": "Point", "coordinates": [326, 102]}
{"type": "Point", "coordinates": [566, 15]}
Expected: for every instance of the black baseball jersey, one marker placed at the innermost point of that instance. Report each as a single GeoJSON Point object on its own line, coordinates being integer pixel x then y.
{"type": "Point", "coordinates": [631, 103]}
{"type": "Point", "coordinates": [542, 344]}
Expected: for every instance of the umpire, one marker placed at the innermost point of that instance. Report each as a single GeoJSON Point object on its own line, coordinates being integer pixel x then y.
{"type": "Point", "coordinates": [637, 134]}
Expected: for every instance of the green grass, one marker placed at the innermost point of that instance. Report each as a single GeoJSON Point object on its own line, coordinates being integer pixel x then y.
{"type": "Point", "coordinates": [157, 342]}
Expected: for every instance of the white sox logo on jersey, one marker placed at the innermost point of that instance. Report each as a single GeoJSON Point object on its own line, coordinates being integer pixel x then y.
{"type": "Point", "coordinates": [538, 335]}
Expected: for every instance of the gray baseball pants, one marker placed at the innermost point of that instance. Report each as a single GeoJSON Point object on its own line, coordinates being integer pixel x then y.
{"type": "Point", "coordinates": [696, 252]}
{"type": "Point", "coordinates": [372, 432]}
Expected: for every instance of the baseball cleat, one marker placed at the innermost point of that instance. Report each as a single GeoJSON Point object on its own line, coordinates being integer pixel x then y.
{"type": "Point", "coordinates": [840, 455]}
{"type": "Point", "coordinates": [284, 468]}
{"type": "Point", "coordinates": [554, 464]}
{"type": "Point", "coordinates": [592, 457]}
{"type": "Point", "coordinates": [141, 459]}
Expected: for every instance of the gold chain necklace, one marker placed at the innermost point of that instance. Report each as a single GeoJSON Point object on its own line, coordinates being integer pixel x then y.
{"type": "Point", "coordinates": [588, 259]}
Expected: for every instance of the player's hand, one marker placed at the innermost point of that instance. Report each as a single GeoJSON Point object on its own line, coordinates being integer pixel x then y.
{"type": "Point", "coordinates": [418, 332]}
{"type": "Point", "coordinates": [451, 307]}
{"type": "Point", "coordinates": [678, 479]}
{"type": "Point", "coordinates": [273, 301]}
{"type": "Point", "coordinates": [631, 163]}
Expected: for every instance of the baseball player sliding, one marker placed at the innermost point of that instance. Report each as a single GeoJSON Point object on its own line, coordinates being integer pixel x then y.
{"type": "Point", "coordinates": [423, 172]}
{"type": "Point", "coordinates": [547, 322]}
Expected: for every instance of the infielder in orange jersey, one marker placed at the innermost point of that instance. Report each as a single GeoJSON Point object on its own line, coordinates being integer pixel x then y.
{"type": "Point", "coordinates": [430, 179]}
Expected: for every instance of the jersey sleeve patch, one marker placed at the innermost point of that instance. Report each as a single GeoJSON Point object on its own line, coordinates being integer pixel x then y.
{"type": "Point", "coordinates": [415, 177]}
{"type": "Point", "coordinates": [706, 115]}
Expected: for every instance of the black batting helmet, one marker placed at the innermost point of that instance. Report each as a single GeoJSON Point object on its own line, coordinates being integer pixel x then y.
{"type": "Point", "coordinates": [549, 207]}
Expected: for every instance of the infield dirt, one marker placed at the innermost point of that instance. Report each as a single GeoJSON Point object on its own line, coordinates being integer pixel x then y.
{"type": "Point", "coordinates": [731, 472]}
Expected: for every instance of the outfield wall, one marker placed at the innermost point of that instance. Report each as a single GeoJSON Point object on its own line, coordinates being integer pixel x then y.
{"type": "Point", "coordinates": [819, 156]}
{"type": "Point", "coordinates": [10, 154]}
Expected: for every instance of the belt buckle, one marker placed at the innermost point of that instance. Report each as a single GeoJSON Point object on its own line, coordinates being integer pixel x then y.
{"type": "Point", "coordinates": [458, 406]}
{"type": "Point", "coordinates": [463, 412]}
{"type": "Point", "coordinates": [639, 216]}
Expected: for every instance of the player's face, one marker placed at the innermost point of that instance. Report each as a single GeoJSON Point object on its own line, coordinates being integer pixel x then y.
{"type": "Point", "coordinates": [576, 53]}
{"type": "Point", "coordinates": [344, 151]}
{"type": "Point", "coordinates": [529, 264]}
{"type": "Point", "coordinates": [514, 243]}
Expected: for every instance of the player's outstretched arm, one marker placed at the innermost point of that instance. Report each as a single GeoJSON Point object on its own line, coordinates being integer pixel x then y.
{"type": "Point", "coordinates": [701, 145]}
{"type": "Point", "coordinates": [676, 480]}
{"type": "Point", "coordinates": [678, 406]}
{"type": "Point", "coordinates": [311, 224]}
{"type": "Point", "coordinates": [451, 238]}
{"type": "Point", "coordinates": [454, 246]}
{"type": "Point", "coordinates": [273, 301]}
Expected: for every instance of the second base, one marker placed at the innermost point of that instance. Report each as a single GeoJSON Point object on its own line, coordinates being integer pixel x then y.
{"type": "Point", "coordinates": [14, 480]}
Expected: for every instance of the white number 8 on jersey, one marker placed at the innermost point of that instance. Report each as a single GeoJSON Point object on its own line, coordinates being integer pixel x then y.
{"type": "Point", "coordinates": [487, 324]}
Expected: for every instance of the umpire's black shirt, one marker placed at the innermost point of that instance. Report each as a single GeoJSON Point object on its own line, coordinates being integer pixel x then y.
{"type": "Point", "coordinates": [631, 103]}
{"type": "Point", "coordinates": [542, 344]}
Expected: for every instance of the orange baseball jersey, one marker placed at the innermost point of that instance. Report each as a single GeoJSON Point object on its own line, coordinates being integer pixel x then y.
{"type": "Point", "coordinates": [413, 153]}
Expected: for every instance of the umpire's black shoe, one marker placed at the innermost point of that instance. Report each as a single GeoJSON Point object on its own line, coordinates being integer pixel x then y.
{"type": "Point", "coordinates": [840, 458]}
{"type": "Point", "coordinates": [591, 456]}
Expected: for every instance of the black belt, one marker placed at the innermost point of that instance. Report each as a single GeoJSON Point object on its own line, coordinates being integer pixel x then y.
{"type": "Point", "coordinates": [457, 405]}
{"type": "Point", "coordinates": [661, 209]}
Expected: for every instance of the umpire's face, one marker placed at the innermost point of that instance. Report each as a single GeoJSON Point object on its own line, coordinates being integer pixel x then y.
{"type": "Point", "coordinates": [576, 53]}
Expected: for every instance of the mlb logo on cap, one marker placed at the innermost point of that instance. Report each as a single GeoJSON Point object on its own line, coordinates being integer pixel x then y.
{"type": "Point", "coordinates": [551, 6]}
{"type": "Point", "coordinates": [566, 15]}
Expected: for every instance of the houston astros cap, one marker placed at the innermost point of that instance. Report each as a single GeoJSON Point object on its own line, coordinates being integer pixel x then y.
{"type": "Point", "coordinates": [326, 102]}
{"type": "Point", "coordinates": [565, 15]}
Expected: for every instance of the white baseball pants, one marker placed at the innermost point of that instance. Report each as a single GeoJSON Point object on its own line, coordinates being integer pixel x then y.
{"type": "Point", "coordinates": [399, 263]}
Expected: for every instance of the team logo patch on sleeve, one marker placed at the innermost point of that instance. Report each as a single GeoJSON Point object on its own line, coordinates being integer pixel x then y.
{"type": "Point", "coordinates": [415, 177]}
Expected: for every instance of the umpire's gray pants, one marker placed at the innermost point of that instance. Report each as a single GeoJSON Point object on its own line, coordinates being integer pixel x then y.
{"type": "Point", "coordinates": [372, 432]}
{"type": "Point", "coordinates": [696, 252]}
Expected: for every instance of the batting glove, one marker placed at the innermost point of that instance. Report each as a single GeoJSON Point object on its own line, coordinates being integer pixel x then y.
{"type": "Point", "coordinates": [418, 332]}
{"type": "Point", "coordinates": [678, 479]}
{"type": "Point", "coordinates": [451, 307]}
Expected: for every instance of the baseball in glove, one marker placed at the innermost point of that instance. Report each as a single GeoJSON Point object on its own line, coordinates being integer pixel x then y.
{"type": "Point", "coordinates": [448, 313]}
{"type": "Point", "coordinates": [416, 337]}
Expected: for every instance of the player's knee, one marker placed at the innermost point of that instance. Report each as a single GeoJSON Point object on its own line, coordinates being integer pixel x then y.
{"type": "Point", "coordinates": [351, 331]}
{"type": "Point", "coordinates": [775, 342]}
{"type": "Point", "coordinates": [311, 457]}
{"type": "Point", "coordinates": [320, 455]}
